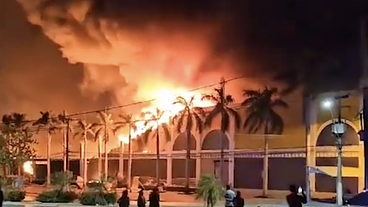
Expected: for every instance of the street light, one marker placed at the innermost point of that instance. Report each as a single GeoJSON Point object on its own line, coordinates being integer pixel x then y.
{"type": "Point", "coordinates": [327, 104]}
{"type": "Point", "coordinates": [338, 129]}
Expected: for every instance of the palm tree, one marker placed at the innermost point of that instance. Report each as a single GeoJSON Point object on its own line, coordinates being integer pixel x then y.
{"type": "Point", "coordinates": [50, 123]}
{"type": "Point", "coordinates": [189, 116]}
{"type": "Point", "coordinates": [222, 107]}
{"type": "Point", "coordinates": [105, 128]}
{"type": "Point", "coordinates": [153, 121]}
{"type": "Point", "coordinates": [260, 108]}
{"type": "Point", "coordinates": [210, 190]}
{"type": "Point", "coordinates": [83, 129]}
{"type": "Point", "coordinates": [127, 119]}
{"type": "Point", "coordinates": [64, 123]}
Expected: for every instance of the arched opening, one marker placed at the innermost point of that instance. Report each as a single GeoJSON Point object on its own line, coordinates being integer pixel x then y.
{"type": "Point", "coordinates": [181, 142]}
{"type": "Point", "coordinates": [212, 141]}
{"type": "Point", "coordinates": [326, 138]}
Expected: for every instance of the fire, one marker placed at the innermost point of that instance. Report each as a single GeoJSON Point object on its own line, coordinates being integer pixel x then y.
{"type": "Point", "coordinates": [28, 167]}
{"type": "Point", "coordinates": [164, 102]}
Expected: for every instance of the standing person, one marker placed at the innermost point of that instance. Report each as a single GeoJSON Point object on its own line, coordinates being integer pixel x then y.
{"type": "Point", "coordinates": [141, 200]}
{"type": "Point", "coordinates": [239, 201]}
{"type": "Point", "coordinates": [1, 197]}
{"type": "Point", "coordinates": [154, 198]}
{"type": "Point", "coordinates": [124, 199]}
{"type": "Point", "coordinates": [229, 197]}
{"type": "Point", "coordinates": [295, 199]}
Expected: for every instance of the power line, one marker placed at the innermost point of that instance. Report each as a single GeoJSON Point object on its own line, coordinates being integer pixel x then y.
{"type": "Point", "coordinates": [154, 99]}
{"type": "Point", "coordinates": [142, 102]}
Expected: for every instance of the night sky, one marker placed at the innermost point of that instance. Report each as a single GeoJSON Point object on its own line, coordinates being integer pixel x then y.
{"type": "Point", "coordinates": [265, 35]}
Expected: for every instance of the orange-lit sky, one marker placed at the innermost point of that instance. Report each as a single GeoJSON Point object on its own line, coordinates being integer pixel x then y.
{"type": "Point", "coordinates": [85, 54]}
{"type": "Point", "coordinates": [78, 55]}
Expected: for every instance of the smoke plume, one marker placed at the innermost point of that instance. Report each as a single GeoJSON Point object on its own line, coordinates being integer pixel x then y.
{"type": "Point", "coordinates": [136, 47]}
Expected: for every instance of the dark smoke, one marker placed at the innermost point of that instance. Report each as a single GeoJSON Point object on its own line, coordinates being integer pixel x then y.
{"type": "Point", "coordinates": [114, 40]}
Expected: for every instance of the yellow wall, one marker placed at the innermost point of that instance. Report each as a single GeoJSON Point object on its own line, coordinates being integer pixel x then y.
{"type": "Point", "coordinates": [294, 130]}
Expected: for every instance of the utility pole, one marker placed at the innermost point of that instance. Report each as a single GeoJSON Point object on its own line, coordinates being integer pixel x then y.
{"type": "Point", "coordinates": [338, 129]}
{"type": "Point", "coordinates": [157, 148]}
{"type": "Point", "coordinates": [130, 156]}
{"type": "Point", "coordinates": [105, 143]}
{"type": "Point", "coordinates": [222, 89]}
{"type": "Point", "coordinates": [64, 129]}
{"type": "Point", "coordinates": [364, 89]}
{"type": "Point", "coordinates": [67, 142]}
{"type": "Point", "coordinates": [307, 122]}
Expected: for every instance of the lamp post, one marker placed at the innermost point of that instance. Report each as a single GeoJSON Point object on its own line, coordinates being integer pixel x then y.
{"type": "Point", "coordinates": [338, 129]}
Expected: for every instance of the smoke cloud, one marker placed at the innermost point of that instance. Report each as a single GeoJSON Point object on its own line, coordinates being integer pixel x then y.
{"type": "Point", "coordinates": [137, 47]}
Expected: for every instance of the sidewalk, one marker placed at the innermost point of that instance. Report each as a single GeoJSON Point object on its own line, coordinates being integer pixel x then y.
{"type": "Point", "coordinates": [250, 203]}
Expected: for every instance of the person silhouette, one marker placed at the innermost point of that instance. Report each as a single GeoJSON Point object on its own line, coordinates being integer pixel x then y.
{"type": "Point", "coordinates": [239, 201]}
{"type": "Point", "coordinates": [1, 197]}
{"type": "Point", "coordinates": [295, 199]}
{"type": "Point", "coordinates": [141, 200]}
{"type": "Point", "coordinates": [229, 197]}
{"type": "Point", "coordinates": [124, 199]}
{"type": "Point", "coordinates": [154, 198]}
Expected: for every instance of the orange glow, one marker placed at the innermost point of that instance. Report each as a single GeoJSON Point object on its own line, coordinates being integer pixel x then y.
{"type": "Point", "coordinates": [164, 102]}
{"type": "Point", "coordinates": [28, 167]}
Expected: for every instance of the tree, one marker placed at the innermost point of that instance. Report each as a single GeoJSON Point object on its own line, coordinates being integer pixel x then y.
{"type": "Point", "coordinates": [64, 124]}
{"type": "Point", "coordinates": [154, 122]}
{"type": "Point", "coordinates": [17, 142]}
{"type": "Point", "coordinates": [210, 190]}
{"type": "Point", "coordinates": [127, 119]}
{"type": "Point", "coordinates": [105, 128]}
{"type": "Point", "coordinates": [222, 107]}
{"type": "Point", "coordinates": [82, 131]}
{"type": "Point", "coordinates": [50, 123]}
{"type": "Point", "coordinates": [191, 117]}
{"type": "Point", "coordinates": [260, 111]}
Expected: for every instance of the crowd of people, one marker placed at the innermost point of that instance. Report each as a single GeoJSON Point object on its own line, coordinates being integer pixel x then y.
{"type": "Point", "coordinates": [154, 199]}
{"type": "Point", "coordinates": [296, 198]}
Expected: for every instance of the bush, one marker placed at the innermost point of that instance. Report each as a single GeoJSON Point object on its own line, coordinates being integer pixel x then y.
{"type": "Point", "coordinates": [92, 198]}
{"type": "Point", "coordinates": [57, 196]}
{"type": "Point", "coordinates": [210, 190]}
{"type": "Point", "coordinates": [110, 198]}
{"type": "Point", "coordinates": [15, 195]}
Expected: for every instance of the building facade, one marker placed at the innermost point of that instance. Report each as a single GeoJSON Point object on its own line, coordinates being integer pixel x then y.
{"type": "Point", "coordinates": [289, 153]}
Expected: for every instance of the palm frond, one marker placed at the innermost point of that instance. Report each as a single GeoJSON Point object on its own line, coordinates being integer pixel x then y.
{"type": "Point", "coordinates": [210, 97]}
{"type": "Point", "coordinates": [279, 103]}
{"type": "Point", "coordinates": [251, 122]}
{"type": "Point", "coordinates": [229, 99]}
{"type": "Point", "coordinates": [250, 101]}
{"type": "Point", "coordinates": [276, 123]}
{"type": "Point", "coordinates": [199, 122]}
{"type": "Point", "coordinates": [180, 100]}
{"type": "Point", "coordinates": [117, 128]}
{"type": "Point", "coordinates": [251, 93]}
{"type": "Point", "coordinates": [210, 116]}
{"type": "Point", "coordinates": [180, 122]}
{"type": "Point", "coordinates": [166, 130]}
{"type": "Point", "coordinates": [146, 135]}
{"type": "Point", "coordinates": [200, 111]}
{"type": "Point", "coordinates": [236, 116]}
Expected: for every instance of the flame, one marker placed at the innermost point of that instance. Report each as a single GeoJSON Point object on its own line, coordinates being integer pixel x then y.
{"type": "Point", "coordinates": [164, 102]}
{"type": "Point", "coordinates": [28, 167]}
